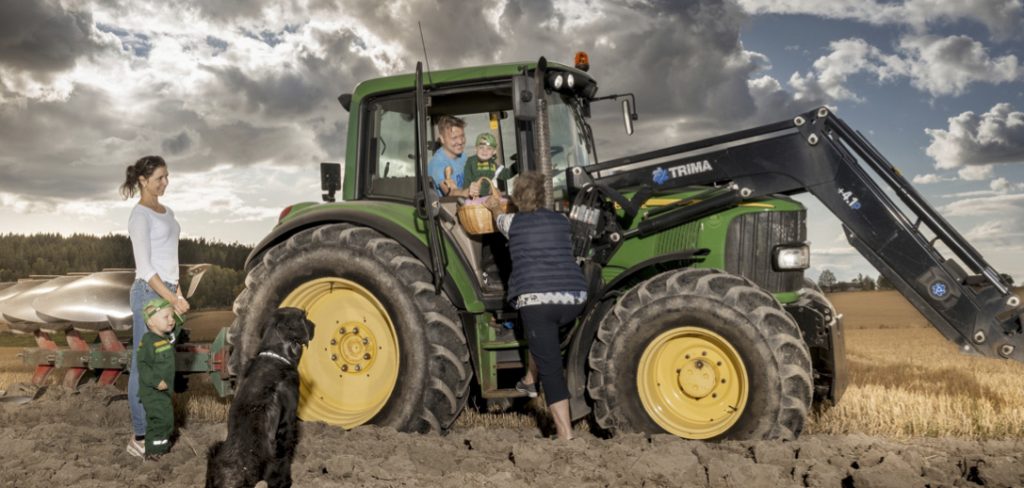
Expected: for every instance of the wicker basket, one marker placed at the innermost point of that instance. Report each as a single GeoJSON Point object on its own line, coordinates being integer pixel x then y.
{"type": "Point", "coordinates": [475, 218]}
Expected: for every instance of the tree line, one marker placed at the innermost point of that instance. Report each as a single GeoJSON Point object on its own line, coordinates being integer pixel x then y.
{"type": "Point", "coordinates": [828, 283]}
{"type": "Point", "coordinates": [53, 254]}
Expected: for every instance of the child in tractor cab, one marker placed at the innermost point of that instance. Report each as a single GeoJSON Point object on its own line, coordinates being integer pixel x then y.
{"type": "Point", "coordinates": [483, 165]}
{"type": "Point", "coordinates": [156, 374]}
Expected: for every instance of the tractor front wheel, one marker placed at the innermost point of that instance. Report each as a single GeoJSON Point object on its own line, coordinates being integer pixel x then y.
{"type": "Point", "coordinates": [387, 350]}
{"type": "Point", "coordinates": [701, 354]}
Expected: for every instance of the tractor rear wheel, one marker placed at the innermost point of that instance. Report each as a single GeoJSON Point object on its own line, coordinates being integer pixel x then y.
{"type": "Point", "coordinates": [701, 354]}
{"type": "Point", "coordinates": [387, 350]}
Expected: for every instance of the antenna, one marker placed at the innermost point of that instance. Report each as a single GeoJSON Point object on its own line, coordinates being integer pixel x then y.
{"type": "Point", "coordinates": [424, 44]}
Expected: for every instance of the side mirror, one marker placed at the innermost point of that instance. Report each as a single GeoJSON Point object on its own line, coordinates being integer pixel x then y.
{"type": "Point", "coordinates": [330, 180]}
{"type": "Point", "coordinates": [627, 116]}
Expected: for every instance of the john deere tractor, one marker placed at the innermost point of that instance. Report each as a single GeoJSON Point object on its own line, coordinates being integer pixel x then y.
{"type": "Point", "coordinates": [700, 321]}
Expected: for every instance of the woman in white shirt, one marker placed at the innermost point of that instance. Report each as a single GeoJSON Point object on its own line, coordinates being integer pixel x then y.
{"type": "Point", "coordinates": [154, 235]}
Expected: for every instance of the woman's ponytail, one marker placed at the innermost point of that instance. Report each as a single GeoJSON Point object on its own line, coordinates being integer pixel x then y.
{"type": "Point", "coordinates": [144, 167]}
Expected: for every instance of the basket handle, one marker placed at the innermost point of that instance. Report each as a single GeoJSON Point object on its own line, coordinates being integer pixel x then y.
{"type": "Point", "coordinates": [494, 188]}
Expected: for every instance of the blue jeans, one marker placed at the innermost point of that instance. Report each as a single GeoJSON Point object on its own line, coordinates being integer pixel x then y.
{"type": "Point", "coordinates": [141, 294]}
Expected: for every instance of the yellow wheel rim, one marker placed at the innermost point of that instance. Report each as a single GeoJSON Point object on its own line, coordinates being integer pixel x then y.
{"type": "Point", "coordinates": [692, 382]}
{"type": "Point", "coordinates": [349, 370]}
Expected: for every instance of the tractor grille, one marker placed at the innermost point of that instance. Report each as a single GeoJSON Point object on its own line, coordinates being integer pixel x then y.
{"type": "Point", "coordinates": [678, 238]}
{"type": "Point", "coordinates": [748, 247]}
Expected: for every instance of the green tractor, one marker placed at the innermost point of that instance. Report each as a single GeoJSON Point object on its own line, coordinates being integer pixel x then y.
{"type": "Point", "coordinates": [700, 322]}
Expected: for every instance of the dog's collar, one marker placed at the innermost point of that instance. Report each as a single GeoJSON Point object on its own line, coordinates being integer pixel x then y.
{"type": "Point", "coordinates": [275, 356]}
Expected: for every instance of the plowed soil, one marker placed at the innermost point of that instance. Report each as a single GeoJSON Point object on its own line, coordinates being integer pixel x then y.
{"type": "Point", "coordinates": [65, 438]}
{"type": "Point", "coordinates": [78, 439]}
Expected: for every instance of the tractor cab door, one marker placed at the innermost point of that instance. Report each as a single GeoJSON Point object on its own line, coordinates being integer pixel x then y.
{"type": "Point", "coordinates": [427, 205]}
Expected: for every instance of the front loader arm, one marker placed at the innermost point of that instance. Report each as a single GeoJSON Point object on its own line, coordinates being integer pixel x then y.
{"type": "Point", "coordinates": [817, 152]}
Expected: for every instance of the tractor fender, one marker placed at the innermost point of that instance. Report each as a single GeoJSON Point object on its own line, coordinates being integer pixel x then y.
{"type": "Point", "coordinates": [394, 231]}
{"type": "Point", "coordinates": [602, 302]}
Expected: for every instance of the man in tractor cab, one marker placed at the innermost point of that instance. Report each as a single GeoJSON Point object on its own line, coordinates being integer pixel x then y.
{"type": "Point", "coordinates": [451, 133]}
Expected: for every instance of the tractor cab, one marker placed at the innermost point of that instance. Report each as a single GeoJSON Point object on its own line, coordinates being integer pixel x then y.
{"type": "Point", "coordinates": [501, 106]}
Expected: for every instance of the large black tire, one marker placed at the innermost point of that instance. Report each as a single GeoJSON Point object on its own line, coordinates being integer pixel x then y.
{"type": "Point", "coordinates": [718, 307]}
{"type": "Point", "coordinates": [432, 357]}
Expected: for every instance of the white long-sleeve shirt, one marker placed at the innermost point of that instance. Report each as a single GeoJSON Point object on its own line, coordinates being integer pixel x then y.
{"type": "Point", "coordinates": [154, 243]}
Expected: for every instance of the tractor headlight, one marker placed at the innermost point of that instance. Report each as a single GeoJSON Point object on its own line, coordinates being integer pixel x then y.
{"type": "Point", "coordinates": [569, 80]}
{"type": "Point", "coordinates": [558, 82]}
{"type": "Point", "coordinates": [790, 257]}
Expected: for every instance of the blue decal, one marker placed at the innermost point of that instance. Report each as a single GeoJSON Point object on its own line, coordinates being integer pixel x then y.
{"type": "Point", "coordinates": [660, 176]}
{"type": "Point", "coordinates": [939, 289]}
{"type": "Point", "coordinates": [855, 206]}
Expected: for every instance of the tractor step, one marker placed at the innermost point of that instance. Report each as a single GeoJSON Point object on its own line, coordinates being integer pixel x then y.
{"type": "Point", "coordinates": [495, 345]}
{"type": "Point", "coordinates": [504, 393]}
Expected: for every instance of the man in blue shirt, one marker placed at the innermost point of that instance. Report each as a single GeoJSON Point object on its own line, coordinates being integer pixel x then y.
{"type": "Point", "coordinates": [452, 135]}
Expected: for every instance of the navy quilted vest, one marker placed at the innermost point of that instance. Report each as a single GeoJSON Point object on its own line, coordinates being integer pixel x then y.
{"type": "Point", "coordinates": [541, 246]}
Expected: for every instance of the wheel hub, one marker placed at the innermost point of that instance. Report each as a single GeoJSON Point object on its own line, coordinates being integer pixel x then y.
{"type": "Point", "coordinates": [353, 348]}
{"type": "Point", "coordinates": [697, 379]}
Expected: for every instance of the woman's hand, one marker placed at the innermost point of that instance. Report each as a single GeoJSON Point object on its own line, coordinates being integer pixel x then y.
{"type": "Point", "coordinates": [493, 204]}
{"type": "Point", "coordinates": [181, 305]}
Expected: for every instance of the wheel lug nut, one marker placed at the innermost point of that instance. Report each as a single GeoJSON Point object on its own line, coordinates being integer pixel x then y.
{"type": "Point", "coordinates": [334, 357]}
{"type": "Point", "coordinates": [355, 330]}
{"type": "Point", "coordinates": [365, 341]}
{"type": "Point", "coordinates": [334, 342]}
{"type": "Point", "coordinates": [359, 368]}
{"type": "Point", "coordinates": [699, 364]}
{"type": "Point", "coordinates": [341, 331]}
{"type": "Point", "coordinates": [719, 363]}
{"type": "Point", "coordinates": [366, 356]}
{"type": "Point", "coordinates": [344, 367]}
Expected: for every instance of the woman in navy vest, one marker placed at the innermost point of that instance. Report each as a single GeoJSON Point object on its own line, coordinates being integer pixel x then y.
{"type": "Point", "coordinates": [547, 287]}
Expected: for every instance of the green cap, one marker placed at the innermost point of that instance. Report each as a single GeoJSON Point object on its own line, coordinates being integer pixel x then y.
{"type": "Point", "coordinates": [486, 138]}
{"type": "Point", "coordinates": [157, 304]}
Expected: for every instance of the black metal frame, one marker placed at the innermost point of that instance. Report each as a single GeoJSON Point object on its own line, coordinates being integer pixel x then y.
{"type": "Point", "coordinates": [817, 152]}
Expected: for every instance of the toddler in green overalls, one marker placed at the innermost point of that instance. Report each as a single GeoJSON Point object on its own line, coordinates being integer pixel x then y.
{"type": "Point", "coordinates": [483, 164]}
{"type": "Point", "coordinates": [156, 373]}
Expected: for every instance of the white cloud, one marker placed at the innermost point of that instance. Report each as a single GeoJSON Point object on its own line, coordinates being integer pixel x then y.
{"type": "Point", "coordinates": [947, 65]}
{"type": "Point", "coordinates": [1002, 185]}
{"type": "Point", "coordinates": [974, 141]}
{"type": "Point", "coordinates": [939, 66]}
{"type": "Point", "coordinates": [931, 178]}
{"type": "Point", "coordinates": [1008, 205]}
{"type": "Point", "coordinates": [1003, 18]}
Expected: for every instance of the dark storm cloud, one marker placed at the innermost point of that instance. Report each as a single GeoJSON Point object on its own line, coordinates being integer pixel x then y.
{"type": "Point", "coordinates": [304, 91]}
{"type": "Point", "coordinates": [41, 36]}
{"type": "Point", "coordinates": [177, 144]}
{"type": "Point", "coordinates": [49, 147]}
{"type": "Point", "coordinates": [277, 95]}
{"type": "Point", "coordinates": [455, 32]}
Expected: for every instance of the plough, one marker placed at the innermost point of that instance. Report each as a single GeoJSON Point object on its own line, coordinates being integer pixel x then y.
{"type": "Point", "coordinates": [84, 303]}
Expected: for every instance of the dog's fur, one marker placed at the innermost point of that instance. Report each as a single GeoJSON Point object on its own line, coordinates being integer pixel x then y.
{"type": "Point", "coordinates": [262, 422]}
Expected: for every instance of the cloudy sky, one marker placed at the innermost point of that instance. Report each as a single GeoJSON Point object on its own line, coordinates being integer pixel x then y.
{"type": "Point", "coordinates": [240, 95]}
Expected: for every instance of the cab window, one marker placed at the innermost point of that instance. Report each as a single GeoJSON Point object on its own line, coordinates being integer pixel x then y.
{"type": "Point", "coordinates": [391, 148]}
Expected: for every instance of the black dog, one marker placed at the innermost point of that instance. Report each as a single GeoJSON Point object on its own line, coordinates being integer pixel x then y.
{"type": "Point", "coordinates": [262, 422]}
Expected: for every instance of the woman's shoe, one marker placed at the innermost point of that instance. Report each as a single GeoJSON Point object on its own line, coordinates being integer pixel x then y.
{"type": "Point", "coordinates": [529, 389]}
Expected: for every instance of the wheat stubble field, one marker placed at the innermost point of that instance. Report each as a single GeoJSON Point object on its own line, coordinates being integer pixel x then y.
{"type": "Point", "coordinates": [916, 413]}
